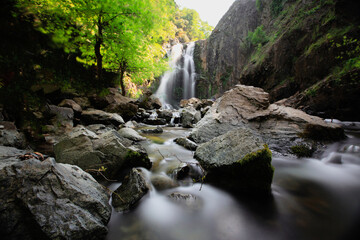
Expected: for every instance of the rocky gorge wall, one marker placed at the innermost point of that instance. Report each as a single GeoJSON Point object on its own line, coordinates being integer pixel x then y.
{"type": "Point", "coordinates": [302, 52]}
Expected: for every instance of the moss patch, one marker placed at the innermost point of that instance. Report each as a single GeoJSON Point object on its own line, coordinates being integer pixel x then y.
{"type": "Point", "coordinates": [302, 150]}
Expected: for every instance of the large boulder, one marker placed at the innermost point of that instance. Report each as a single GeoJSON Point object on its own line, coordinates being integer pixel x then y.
{"type": "Point", "coordinates": [10, 136]}
{"type": "Point", "coordinates": [114, 102]}
{"type": "Point", "coordinates": [149, 101]}
{"type": "Point", "coordinates": [132, 189]}
{"type": "Point", "coordinates": [108, 151]}
{"type": "Point", "coordinates": [95, 116]}
{"type": "Point", "coordinates": [189, 117]}
{"type": "Point", "coordinates": [279, 126]}
{"type": "Point", "coordinates": [46, 200]}
{"type": "Point", "coordinates": [60, 116]}
{"type": "Point", "coordinates": [131, 134]}
{"type": "Point", "coordinates": [69, 103]}
{"type": "Point", "coordinates": [237, 161]}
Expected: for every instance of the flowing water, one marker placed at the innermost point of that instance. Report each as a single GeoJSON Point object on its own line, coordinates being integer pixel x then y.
{"type": "Point", "coordinates": [179, 82]}
{"type": "Point", "coordinates": [311, 199]}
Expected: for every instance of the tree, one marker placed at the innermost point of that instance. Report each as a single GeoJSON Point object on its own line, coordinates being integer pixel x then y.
{"type": "Point", "coordinates": [110, 34]}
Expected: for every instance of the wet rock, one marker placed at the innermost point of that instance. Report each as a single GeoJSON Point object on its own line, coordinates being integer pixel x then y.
{"type": "Point", "coordinates": [152, 130]}
{"type": "Point", "coordinates": [249, 107]}
{"type": "Point", "coordinates": [196, 103]}
{"type": "Point", "coordinates": [132, 189]}
{"type": "Point", "coordinates": [9, 135]}
{"type": "Point", "coordinates": [69, 103]}
{"type": "Point", "coordinates": [186, 143]}
{"type": "Point", "coordinates": [162, 182]}
{"type": "Point", "coordinates": [131, 134]}
{"type": "Point", "coordinates": [131, 124]}
{"type": "Point", "coordinates": [187, 200]}
{"type": "Point", "coordinates": [83, 102]}
{"type": "Point", "coordinates": [237, 161]}
{"type": "Point", "coordinates": [190, 116]}
{"type": "Point", "coordinates": [155, 121]}
{"type": "Point", "coordinates": [99, 128]}
{"type": "Point", "coordinates": [94, 116]}
{"type": "Point", "coordinates": [149, 101]}
{"type": "Point", "coordinates": [109, 150]}
{"type": "Point", "coordinates": [165, 114]}
{"type": "Point", "coordinates": [61, 116]}
{"type": "Point", "coordinates": [46, 200]}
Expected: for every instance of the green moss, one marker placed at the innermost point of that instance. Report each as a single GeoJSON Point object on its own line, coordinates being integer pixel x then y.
{"type": "Point", "coordinates": [264, 155]}
{"type": "Point", "coordinates": [302, 150]}
{"type": "Point", "coordinates": [137, 159]}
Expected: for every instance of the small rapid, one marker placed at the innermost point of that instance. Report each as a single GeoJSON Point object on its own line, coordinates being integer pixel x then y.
{"type": "Point", "coordinates": [312, 198]}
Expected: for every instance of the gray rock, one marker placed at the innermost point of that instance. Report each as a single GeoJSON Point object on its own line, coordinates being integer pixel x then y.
{"type": "Point", "coordinates": [237, 161]}
{"type": "Point", "coordinates": [61, 113]}
{"type": "Point", "coordinates": [186, 143]}
{"type": "Point", "coordinates": [131, 134]}
{"type": "Point", "coordinates": [165, 113]}
{"type": "Point", "coordinates": [162, 182]}
{"type": "Point", "coordinates": [190, 116]}
{"type": "Point", "coordinates": [187, 200]}
{"type": "Point", "coordinates": [152, 130]}
{"type": "Point", "coordinates": [131, 124]}
{"type": "Point", "coordinates": [94, 116]}
{"type": "Point", "coordinates": [109, 150]}
{"type": "Point", "coordinates": [99, 128]}
{"type": "Point", "coordinates": [248, 107]}
{"type": "Point", "coordinates": [9, 135]}
{"type": "Point", "coordinates": [69, 103]}
{"type": "Point", "coordinates": [83, 102]}
{"type": "Point", "coordinates": [132, 189]}
{"type": "Point", "coordinates": [46, 200]}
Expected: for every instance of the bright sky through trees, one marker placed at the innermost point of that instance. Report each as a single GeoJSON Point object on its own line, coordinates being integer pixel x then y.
{"type": "Point", "coordinates": [209, 10]}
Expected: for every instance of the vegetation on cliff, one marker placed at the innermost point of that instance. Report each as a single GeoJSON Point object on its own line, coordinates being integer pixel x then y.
{"type": "Point", "coordinates": [305, 50]}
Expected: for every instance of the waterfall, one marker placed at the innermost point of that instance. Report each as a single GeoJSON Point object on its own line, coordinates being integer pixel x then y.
{"type": "Point", "coordinates": [179, 82]}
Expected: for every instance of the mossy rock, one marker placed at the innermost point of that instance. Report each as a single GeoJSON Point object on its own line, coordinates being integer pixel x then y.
{"type": "Point", "coordinates": [237, 161]}
{"type": "Point", "coordinates": [302, 150]}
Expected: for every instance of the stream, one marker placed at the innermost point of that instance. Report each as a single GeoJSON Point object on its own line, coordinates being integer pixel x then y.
{"type": "Point", "coordinates": [312, 198]}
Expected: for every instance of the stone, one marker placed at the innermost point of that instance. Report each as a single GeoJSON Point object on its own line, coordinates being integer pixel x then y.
{"type": "Point", "coordinates": [69, 103]}
{"type": "Point", "coordinates": [162, 182]}
{"type": "Point", "coordinates": [133, 188]}
{"type": "Point", "coordinates": [155, 121]}
{"type": "Point", "coordinates": [165, 113]}
{"type": "Point", "coordinates": [99, 128]}
{"type": "Point", "coordinates": [47, 200]}
{"type": "Point", "coordinates": [109, 151]}
{"type": "Point", "coordinates": [196, 103]}
{"type": "Point", "coordinates": [10, 136]}
{"type": "Point", "coordinates": [94, 116]}
{"type": "Point", "coordinates": [190, 116]}
{"type": "Point", "coordinates": [249, 107]}
{"type": "Point", "coordinates": [83, 102]}
{"type": "Point", "coordinates": [186, 200]}
{"type": "Point", "coordinates": [186, 143]}
{"type": "Point", "coordinates": [156, 130]}
{"type": "Point", "coordinates": [60, 116]}
{"type": "Point", "coordinates": [131, 134]}
{"type": "Point", "coordinates": [149, 101]}
{"type": "Point", "coordinates": [237, 161]}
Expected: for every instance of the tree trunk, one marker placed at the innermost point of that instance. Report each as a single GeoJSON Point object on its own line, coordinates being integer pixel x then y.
{"type": "Point", "coordinates": [99, 41]}
{"type": "Point", "coordinates": [122, 69]}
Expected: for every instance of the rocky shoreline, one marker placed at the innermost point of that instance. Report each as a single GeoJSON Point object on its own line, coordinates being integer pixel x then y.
{"type": "Point", "coordinates": [98, 139]}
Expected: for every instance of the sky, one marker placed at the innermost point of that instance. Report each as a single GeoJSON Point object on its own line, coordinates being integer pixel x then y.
{"type": "Point", "coordinates": [209, 10]}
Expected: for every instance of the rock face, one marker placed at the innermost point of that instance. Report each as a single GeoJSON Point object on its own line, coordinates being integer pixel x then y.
{"type": "Point", "coordinates": [132, 189]}
{"type": "Point", "coordinates": [237, 161]}
{"type": "Point", "coordinates": [294, 55]}
{"type": "Point", "coordinates": [9, 135]}
{"type": "Point", "coordinates": [94, 116]}
{"type": "Point", "coordinates": [46, 200]}
{"type": "Point", "coordinates": [279, 126]}
{"type": "Point", "coordinates": [108, 150]}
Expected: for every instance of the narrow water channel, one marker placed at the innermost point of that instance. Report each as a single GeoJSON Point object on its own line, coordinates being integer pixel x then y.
{"type": "Point", "coordinates": [311, 199]}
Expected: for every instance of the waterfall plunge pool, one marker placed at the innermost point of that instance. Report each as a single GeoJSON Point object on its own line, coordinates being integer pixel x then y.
{"type": "Point", "coordinates": [311, 199]}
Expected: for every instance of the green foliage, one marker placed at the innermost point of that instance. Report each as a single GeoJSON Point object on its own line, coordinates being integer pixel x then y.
{"type": "Point", "coordinates": [276, 7]}
{"type": "Point", "coordinates": [189, 26]}
{"type": "Point", "coordinates": [302, 150]}
{"type": "Point", "coordinates": [259, 5]}
{"type": "Point", "coordinates": [258, 37]}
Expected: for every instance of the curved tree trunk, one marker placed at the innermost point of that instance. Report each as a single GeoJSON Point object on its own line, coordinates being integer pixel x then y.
{"type": "Point", "coordinates": [99, 41]}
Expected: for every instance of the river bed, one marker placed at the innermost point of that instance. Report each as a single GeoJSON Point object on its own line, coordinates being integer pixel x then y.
{"type": "Point", "coordinates": [312, 198]}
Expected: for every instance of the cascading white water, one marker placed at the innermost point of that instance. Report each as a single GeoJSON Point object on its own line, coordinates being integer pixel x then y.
{"type": "Point", "coordinates": [189, 72]}
{"type": "Point", "coordinates": [180, 76]}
